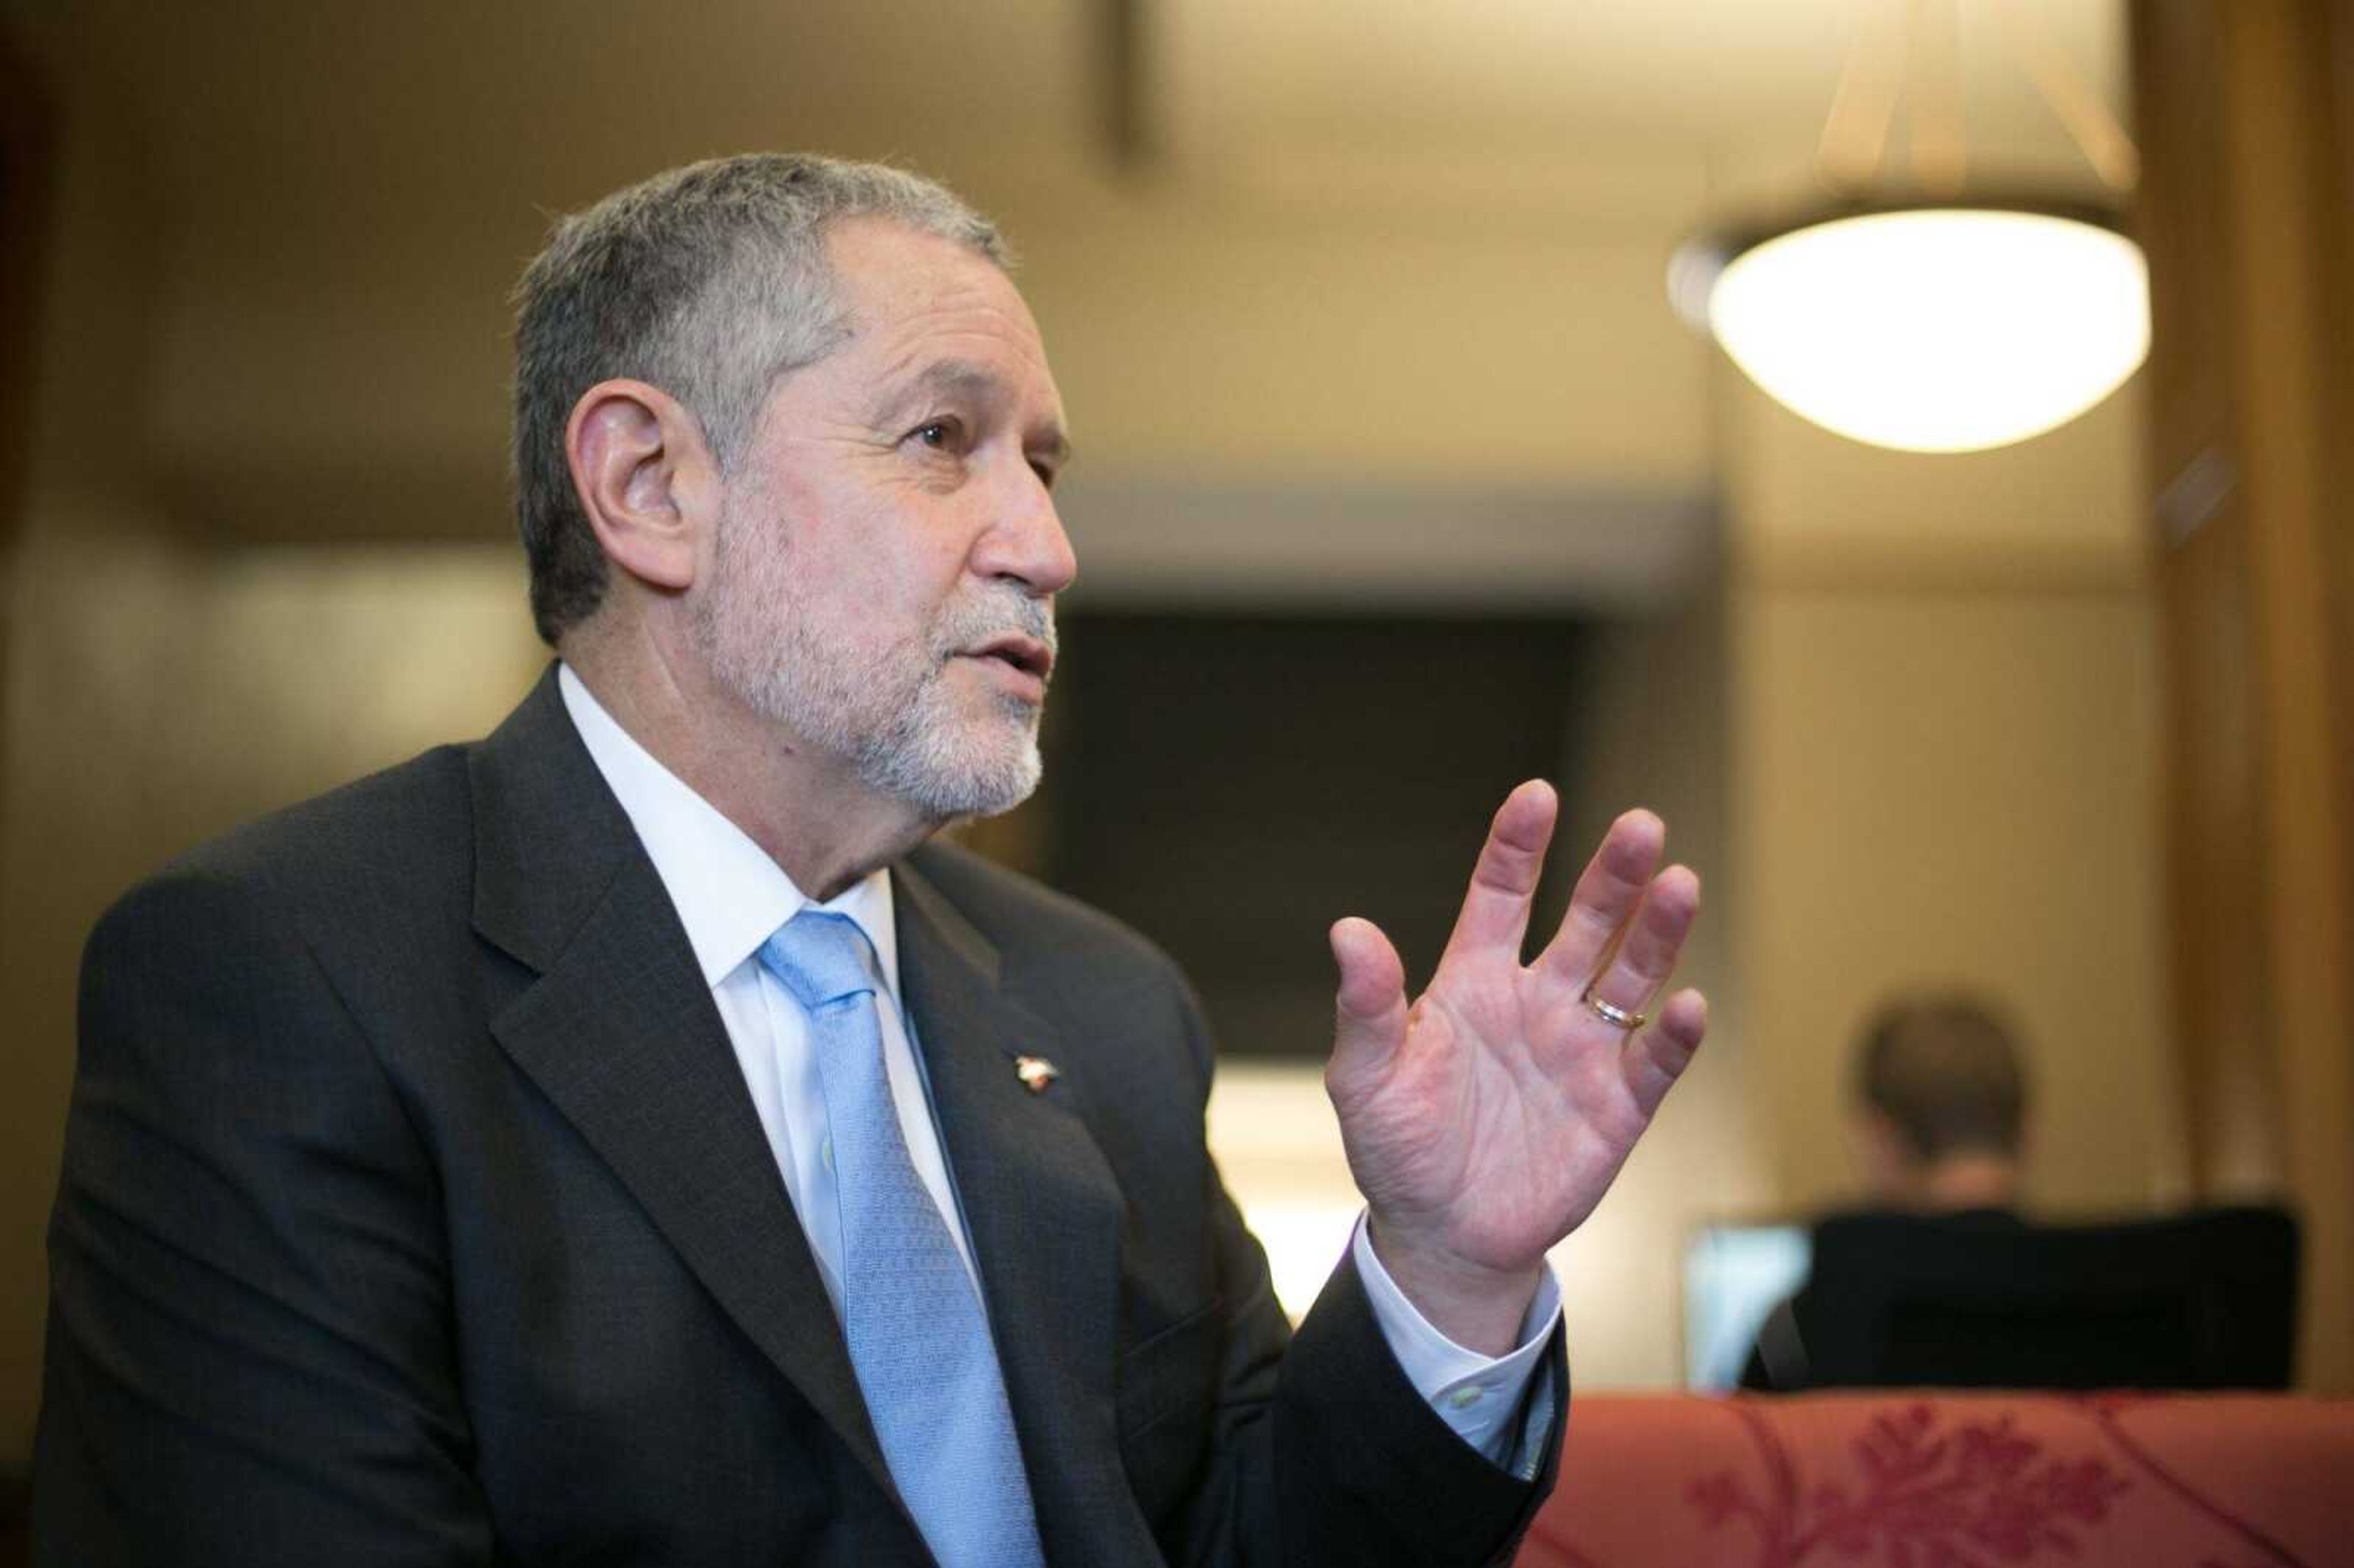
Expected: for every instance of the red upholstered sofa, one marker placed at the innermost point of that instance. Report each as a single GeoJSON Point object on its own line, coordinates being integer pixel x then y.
{"type": "Point", "coordinates": [1952, 1480]}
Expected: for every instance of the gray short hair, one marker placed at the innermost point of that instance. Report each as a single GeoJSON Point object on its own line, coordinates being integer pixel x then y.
{"type": "Point", "coordinates": [709, 281]}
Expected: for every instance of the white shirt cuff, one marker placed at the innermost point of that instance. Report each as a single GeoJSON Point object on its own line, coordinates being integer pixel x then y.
{"type": "Point", "coordinates": [1474, 1394]}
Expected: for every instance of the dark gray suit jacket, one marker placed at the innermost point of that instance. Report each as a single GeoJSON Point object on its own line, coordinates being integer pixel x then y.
{"type": "Point", "coordinates": [414, 1211]}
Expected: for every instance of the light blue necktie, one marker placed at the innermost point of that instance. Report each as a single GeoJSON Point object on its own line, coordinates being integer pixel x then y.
{"type": "Point", "coordinates": [918, 1338]}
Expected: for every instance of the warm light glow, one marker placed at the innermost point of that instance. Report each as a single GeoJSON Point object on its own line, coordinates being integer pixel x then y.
{"type": "Point", "coordinates": [1304, 1240]}
{"type": "Point", "coordinates": [1937, 330]}
{"type": "Point", "coordinates": [1278, 1148]}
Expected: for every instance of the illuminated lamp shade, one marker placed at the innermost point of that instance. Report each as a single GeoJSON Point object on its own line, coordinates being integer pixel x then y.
{"type": "Point", "coordinates": [1938, 329]}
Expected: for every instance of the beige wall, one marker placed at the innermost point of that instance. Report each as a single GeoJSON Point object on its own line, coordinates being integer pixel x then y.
{"type": "Point", "coordinates": [1946, 766]}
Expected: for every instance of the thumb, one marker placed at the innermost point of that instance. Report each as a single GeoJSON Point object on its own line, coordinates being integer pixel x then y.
{"type": "Point", "coordinates": [1370, 1008]}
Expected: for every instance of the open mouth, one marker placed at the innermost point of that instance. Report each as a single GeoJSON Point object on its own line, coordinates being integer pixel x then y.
{"type": "Point", "coordinates": [1027, 654]}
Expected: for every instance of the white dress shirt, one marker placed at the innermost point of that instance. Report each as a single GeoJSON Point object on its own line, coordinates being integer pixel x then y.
{"type": "Point", "coordinates": [732, 897]}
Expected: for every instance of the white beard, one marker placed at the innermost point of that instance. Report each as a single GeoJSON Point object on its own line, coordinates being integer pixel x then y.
{"type": "Point", "coordinates": [892, 713]}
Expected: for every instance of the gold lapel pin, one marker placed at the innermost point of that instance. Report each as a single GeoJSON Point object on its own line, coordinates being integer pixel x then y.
{"type": "Point", "coordinates": [1035, 1073]}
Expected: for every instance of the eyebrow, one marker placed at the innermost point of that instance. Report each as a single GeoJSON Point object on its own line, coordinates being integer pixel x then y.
{"type": "Point", "coordinates": [956, 379]}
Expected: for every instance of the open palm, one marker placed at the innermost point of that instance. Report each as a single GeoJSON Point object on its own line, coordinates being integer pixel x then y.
{"type": "Point", "coordinates": [1484, 1122]}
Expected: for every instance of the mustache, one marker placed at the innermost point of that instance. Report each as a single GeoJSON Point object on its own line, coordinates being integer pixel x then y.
{"type": "Point", "coordinates": [994, 612]}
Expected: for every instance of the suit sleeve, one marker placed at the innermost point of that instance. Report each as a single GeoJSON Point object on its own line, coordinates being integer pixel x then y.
{"type": "Point", "coordinates": [1326, 1452]}
{"type": "Point", "coordinates": [249, 1356]}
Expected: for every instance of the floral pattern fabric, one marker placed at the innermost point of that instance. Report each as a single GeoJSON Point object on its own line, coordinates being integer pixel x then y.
{"type": "Point", "coordinates": [1923, 1480]}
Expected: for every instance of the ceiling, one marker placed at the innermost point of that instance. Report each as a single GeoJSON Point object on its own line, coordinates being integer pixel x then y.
{"type": "Point", "coordinates": [535, 99]}
{"type": "Point", "coordinates": [1409, 250]}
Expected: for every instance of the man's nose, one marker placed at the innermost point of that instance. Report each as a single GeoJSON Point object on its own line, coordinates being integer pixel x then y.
{"type": "Point", "coordinates": [1025, 541]}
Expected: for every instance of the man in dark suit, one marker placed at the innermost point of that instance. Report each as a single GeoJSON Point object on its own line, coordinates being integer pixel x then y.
{"type": "Point", "coordinates": [624, 1139]}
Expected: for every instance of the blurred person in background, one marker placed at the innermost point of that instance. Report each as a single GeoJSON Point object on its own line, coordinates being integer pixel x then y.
{"type": "Point", "coordinates": [626, 1139]}
{"type": "Point", "coordinates": [1938, 1121]}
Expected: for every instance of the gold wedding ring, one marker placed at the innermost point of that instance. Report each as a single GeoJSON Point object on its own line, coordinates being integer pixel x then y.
{"type": "Point", "coordinates": [1616, 1017]}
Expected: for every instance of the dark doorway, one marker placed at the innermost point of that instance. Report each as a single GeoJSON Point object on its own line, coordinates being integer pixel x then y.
{"type": "Point", "coordinates": [1232, 785]}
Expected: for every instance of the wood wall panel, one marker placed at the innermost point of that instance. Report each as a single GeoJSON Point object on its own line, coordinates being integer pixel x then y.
{"type": "Point", "coordinates": [2246, 212]}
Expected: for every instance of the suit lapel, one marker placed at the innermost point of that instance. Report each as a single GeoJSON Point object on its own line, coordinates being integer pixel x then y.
{"type": "Point", "coordinates": [621, 1035]}
{"type": "Point", "coordinates": [1043, 1212]}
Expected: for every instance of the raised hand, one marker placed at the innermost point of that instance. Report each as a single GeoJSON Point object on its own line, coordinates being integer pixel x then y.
{"type": "Point", "coordinates": [1485, 1121]}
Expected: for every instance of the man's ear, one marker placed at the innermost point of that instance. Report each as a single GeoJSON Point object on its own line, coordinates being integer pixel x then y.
{"type": "Point", "coordinates": [1880, 1150]}
{"type": "Point", "coordinates": [646, 480]}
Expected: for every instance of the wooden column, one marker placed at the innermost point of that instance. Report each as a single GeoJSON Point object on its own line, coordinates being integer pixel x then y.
{"type": "Point", "coordinates": [2247, 200]}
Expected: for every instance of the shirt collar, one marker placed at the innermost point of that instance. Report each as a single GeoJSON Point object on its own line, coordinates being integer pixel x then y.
{"type": "Point", "coordinates": [729, 894]}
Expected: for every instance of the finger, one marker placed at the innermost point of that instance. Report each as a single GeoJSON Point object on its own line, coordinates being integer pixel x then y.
{"type": "Point", "coordinates": [1495, 913]}
{"type": "Point", "coordinates": [1370, 1006]}
{"type": "Point", "coordinates": [1654, 938]}
{"type": "Point", "coordinates": [1658, 1055]}
{"type": "Point", "coordinates": [1607, 891]}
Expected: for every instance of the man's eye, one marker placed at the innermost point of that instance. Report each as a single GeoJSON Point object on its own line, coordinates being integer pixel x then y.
{"type": "Point", "coordinates": [938, 434]}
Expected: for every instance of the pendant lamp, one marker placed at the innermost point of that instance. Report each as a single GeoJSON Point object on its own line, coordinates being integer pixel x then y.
{"type": "Point", "coordinates": [1936, 318]}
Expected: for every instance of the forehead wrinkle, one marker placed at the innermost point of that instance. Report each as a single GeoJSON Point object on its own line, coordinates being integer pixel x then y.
{"type": "Point", "coordinates": [917, 304]}
{"type": "Point", "coordinates": [918, 330]}
{"type": "Point", "coordinates": [999, 334]}
{"type": "Point", "coordinates": [958, 378]}
{"type": "Point", "coordinates": [940, 379]}
{"type": "Point", "coordinates": [967, 309]}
